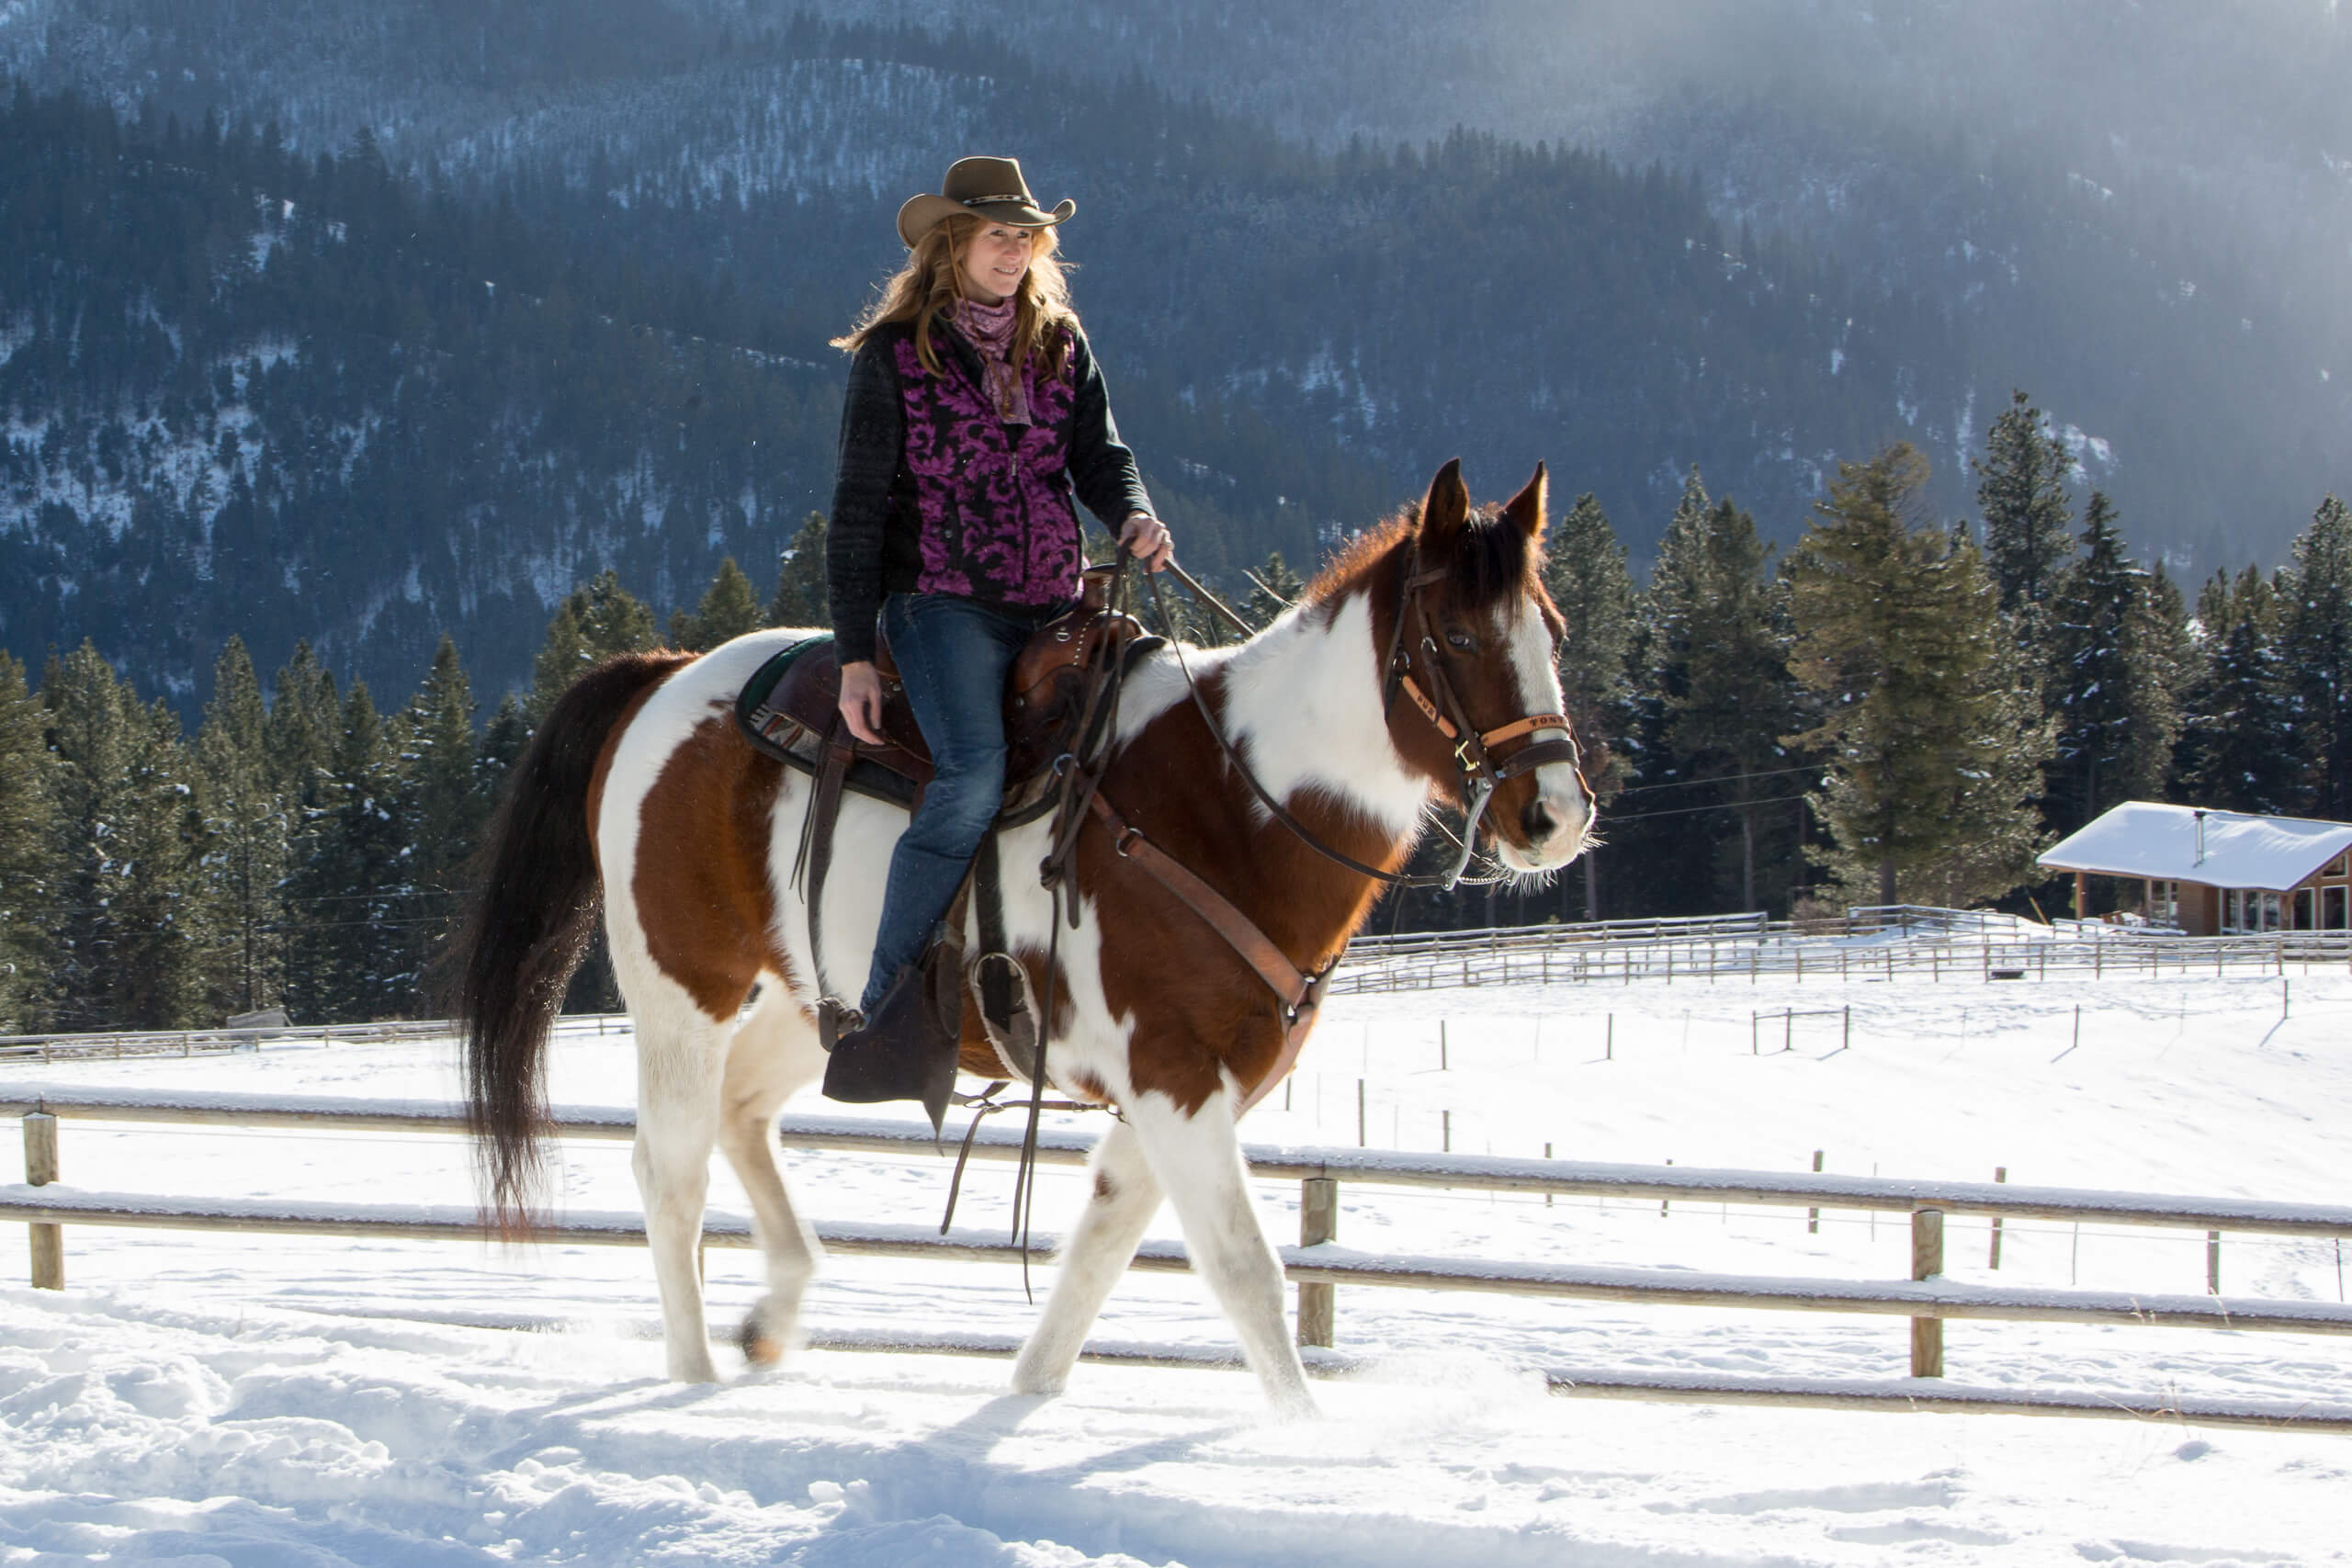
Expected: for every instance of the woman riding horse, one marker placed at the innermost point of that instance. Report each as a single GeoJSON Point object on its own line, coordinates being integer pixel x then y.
{"type": "Point", "coordinates": [975, 410]}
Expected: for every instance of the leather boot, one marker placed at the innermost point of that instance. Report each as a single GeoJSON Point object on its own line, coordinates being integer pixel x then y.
{"type": "Point", "coordinates": [900, 1051]}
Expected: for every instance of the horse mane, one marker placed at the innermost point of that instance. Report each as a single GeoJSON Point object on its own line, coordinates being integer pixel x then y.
{"type": "Point", "coordinates": [1493, 561]}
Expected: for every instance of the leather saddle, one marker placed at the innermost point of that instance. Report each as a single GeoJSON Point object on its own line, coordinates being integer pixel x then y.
{"type": "Point", "coordinates": [790, 707]}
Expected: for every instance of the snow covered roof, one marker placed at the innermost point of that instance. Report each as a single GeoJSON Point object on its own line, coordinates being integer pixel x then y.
{"type": "Point", "coordinates": [2141, 838]}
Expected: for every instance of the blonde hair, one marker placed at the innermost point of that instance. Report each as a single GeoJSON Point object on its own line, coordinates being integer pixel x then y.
{"type": "Point", "coordinates": [932, 280]}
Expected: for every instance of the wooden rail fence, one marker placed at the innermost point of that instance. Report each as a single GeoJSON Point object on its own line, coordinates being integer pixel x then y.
{"type": "Point", "coordinates": [1318, 1263]}
{"type": "Point", "coordinates": [117, 1043]}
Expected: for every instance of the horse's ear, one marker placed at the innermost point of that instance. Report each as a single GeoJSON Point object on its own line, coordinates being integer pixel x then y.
{"type": "Point", "coordinates": [1527, 509]}
{"type": "Point", "coordinates": [1447, 509]}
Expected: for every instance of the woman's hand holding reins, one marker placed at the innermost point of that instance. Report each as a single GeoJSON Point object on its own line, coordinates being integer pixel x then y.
{"type": "Point", "coordinates": [862, 701]}
{"type": "Point", "coordinates": [1146, 538]}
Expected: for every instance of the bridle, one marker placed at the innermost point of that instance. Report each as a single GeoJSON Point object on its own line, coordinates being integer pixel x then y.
{"type": "Point", "coordinates": [1480, 774]}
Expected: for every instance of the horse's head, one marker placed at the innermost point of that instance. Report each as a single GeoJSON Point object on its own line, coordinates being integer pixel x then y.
{"type": "Point", "coordinates": [1475, 701]}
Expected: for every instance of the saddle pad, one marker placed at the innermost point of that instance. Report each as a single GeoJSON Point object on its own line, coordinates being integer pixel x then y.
{"type": "Point", "coordinates": [787, 707]}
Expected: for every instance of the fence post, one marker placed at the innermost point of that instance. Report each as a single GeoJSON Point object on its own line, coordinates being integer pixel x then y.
{"type": "Point", "coordinates": [1927, 1262]}
{"type": "Point", "coordinates": [1319, 1221]}
{"type": "Point", "coordinates": [40, 1169]}
{"type": "Point", "coordinates": [1813, 1216]}
{"type": "Point", "coordinates": [2212, 1263]}
{"type": "Point", "coordinates": [2000, 1173]}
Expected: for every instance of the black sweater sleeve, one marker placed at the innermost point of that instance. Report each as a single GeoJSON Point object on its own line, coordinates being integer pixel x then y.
{"type": "Point", "coordinates": [872, 438]}
{"type": "Point", "coordinates": [1101, 468]}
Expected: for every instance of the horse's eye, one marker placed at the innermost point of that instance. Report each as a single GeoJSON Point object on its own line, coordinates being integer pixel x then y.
{"type": "Point", "coordinates": [1462, 640]}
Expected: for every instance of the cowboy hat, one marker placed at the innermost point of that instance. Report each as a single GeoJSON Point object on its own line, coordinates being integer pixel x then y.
{"type": "Point", "coordinates": [990, 187]}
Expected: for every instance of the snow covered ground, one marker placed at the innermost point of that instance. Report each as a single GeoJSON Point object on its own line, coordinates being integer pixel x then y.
{"type": "Point", "coordinates": [205, 1398]}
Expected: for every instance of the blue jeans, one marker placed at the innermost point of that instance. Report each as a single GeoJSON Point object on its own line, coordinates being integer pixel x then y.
{"type": "Point", "coordinates": [953, 656]}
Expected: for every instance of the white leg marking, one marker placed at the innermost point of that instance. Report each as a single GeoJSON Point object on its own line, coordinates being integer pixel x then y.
{"type": "Point", "coordinates": [1125, 1197]}
{"type": "Point", "coordinates": [680, 1056]}
{"type": "Point", "coordinates": [775, 1052]}
{"type": "Point", "coordinates": [1198, 1161]}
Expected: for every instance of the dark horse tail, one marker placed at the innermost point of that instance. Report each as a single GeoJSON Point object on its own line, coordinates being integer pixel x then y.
{"type": "Point", "coordinates": [534, 910]}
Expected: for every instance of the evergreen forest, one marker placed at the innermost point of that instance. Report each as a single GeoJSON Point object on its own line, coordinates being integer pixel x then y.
{"type": "Point", "coordinates": [1898, 709]}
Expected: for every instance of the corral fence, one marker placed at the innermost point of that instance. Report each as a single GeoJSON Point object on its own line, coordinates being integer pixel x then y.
{"type": "Point", "coordinates": [1318, 1264]}
{"type": "Point", "coordinates": [1869, 943]}
{"type": "Point", "coordinates": [1866, 944]}
{"type": "Point", "coordinates": [115, 1044]}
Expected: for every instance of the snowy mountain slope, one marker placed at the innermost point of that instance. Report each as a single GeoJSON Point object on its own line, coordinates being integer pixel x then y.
{"type": "Point", "coordinates": [2120, 205]}
{"type": "Point", "coordinates": [2141, 217]}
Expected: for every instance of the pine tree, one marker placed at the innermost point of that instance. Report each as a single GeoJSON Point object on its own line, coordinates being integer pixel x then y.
{"type": "Point", "coordinates": [2315, 648]}
{"type": "Point", "coordinates": [1584, 572]}
{"type": "Point", "coordinates": [1658, 649]}
{"type": "Point", "coordinates": [2239, 747]}
{"type": "Point", "coordinates": [126, 945]}
{"type": "Point", "coordinates": [1933, 746]}
{"type": "Point", "coordinates": [441, 801]}
{"type": "Point", "coordinates": [355, 947]}
{"type": "Point", "coordinates": [801, 597]}
{"type": "Point", "coordinates": [595, 621]}
{"type": "Point", "coordinates": [2111, 680]}
{"type": "Point", "coordinates": [248, 825]}
{"type": "Point", "coordinates": [1716, 636]}
{"type": "Point", "coordinates": [29, 863]}
{"type": "Point", "coordinates": [729, 609]}
{"type": "Point", "coordinates": [503, 740]}
{"type": "Point", "coordinates": [2029, 518]}
{"type": "Point", "coordinates": [305, 717]}
{"type": "Point", "coordinates": [1273, 588]}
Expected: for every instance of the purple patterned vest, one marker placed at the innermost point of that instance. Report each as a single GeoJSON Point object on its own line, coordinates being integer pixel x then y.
{"type": "Point", "coordinates": [998, 520]}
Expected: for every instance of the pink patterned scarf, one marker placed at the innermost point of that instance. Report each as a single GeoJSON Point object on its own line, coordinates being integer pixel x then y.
{"type": "Point", "coordinates": [990, 328]}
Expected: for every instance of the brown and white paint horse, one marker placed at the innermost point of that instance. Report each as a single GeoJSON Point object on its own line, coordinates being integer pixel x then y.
{"type": "Point", "coordinates": [639, 785]}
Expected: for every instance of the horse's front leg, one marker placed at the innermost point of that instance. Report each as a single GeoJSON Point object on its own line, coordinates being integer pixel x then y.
{"type": "Point", "coordinates": [1123, 1196]}
{"type": "Point", "coordinates": [1197, 1157]}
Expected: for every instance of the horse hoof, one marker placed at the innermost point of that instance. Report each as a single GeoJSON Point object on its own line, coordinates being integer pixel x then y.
{"type": "Point", "coordinates": [760, 1348]}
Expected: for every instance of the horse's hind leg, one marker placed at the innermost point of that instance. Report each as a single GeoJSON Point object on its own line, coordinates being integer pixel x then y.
{"type": "Point", "coordinates": [680, 1054]}
{"type": "Point", "coordinates": [1124, 1197]}
{"type": "Point", "coordinates": [775, 1052]}
{"type": "Point", "coordinates": [1198, 1160]}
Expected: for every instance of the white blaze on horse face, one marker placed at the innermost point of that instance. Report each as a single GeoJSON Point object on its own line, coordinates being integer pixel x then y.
{"type": "Point", "coordinates": [1559, 789]}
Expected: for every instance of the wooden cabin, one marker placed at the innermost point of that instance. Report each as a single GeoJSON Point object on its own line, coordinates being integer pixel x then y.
{"type": "Point", "coordinates": [2218, 873]}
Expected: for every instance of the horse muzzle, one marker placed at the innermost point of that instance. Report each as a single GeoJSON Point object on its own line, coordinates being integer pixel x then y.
{"type": "Point", "coordinates": [1552, 825]}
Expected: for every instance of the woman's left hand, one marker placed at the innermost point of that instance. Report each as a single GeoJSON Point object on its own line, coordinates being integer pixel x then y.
{"type": "Point", "coordinates": [1146, 538]}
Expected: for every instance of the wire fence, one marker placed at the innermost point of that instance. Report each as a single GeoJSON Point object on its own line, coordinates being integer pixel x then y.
{"type": "Point", "coordinates": [1887, 943]}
